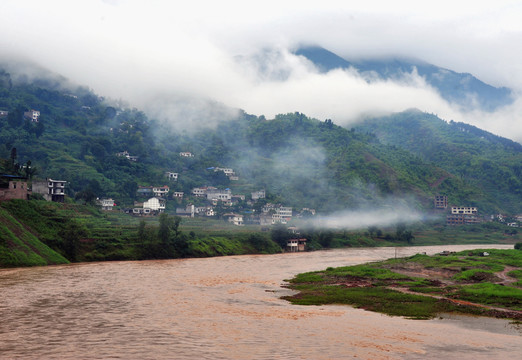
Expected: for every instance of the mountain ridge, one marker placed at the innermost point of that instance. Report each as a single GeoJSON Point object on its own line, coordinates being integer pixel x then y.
{"type": "Point", "coordinates": [462, 89]}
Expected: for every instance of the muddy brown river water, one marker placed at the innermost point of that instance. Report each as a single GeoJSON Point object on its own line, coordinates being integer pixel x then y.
{"type": "Point", "coordinates": [222, 308]}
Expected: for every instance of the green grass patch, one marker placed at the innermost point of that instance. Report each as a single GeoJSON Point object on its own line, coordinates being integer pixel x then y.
{"type": "Point", "coordinates": [365, 271]}
{"type": "Point", "coordinates": [371, 286]}
{"type": "Point", "coordinates": [492, 294]}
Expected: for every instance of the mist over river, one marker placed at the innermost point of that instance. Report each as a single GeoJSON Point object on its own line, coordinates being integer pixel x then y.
{"type": "Point", "coordinates": [222, 308]}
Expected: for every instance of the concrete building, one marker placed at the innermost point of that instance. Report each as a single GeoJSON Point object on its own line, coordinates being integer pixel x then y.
{"type": "Point", "coordinates": [160, 191]}
{"type": "Point", "coordinates": [256, 195]}
{"type": "Point", "coordinates": [172, 176]}
{"type": "Point", "coordinates": [296, 245]}
{"type": "Point", "coordinates": [235, 219]}
{"type": "Point", "coordinates": [466, 210]}
{"type": "Point", "coordinates": [107, 204]}
{"type": "Point", "coordinates": [441, 202]}
{"type": "Point", "coordinates": [51, 190]}
{"type": "Point", "coordinates": [32, 115]}
{"type": "Point", "coordinates": [155, 204]}
{"type": "Point", "coordinates": [14, 188]}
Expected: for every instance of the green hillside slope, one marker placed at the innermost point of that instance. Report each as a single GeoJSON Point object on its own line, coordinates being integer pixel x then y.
{"type": "Point", "coordinates": [300, 161]}
{"type": "Point", "coordinates": [20, 247]}
{"type": "Point", "coordinates": [486, 162]}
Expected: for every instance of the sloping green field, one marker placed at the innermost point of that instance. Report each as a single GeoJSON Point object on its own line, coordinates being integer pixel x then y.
{"type": "Point", "coordinates": [19, 247]}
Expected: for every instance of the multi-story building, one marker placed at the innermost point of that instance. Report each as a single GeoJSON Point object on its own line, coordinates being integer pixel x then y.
{"type": "Point", "coordinates": [155, 204]}
{"type": "Point", "coordinates": [282, 215]}
{"type": "Point", "coordinates": [172, 176]}
{"type": "Point", "coordinates": [466, 210]}
{"type": "Point", "coordinates": [52, 190]}
{"type": "Point", "coordinates": [256, 195]}
{"type": "Point", "coordinates": [107, 204]}
{"type": "Point", "coordinates": [32, 115]}
{"type": "Point", "coordinates": [199, 191]}
{"type": "Point", "coordinates": [462, 219]}
{"type": "Point", "coordinates": [160, 191]}
{"type": "Point", "coordinates": [441, 202]}
{"type": "Point", "coordinates": [296, 245]}
{"type": "Point", "coordinates": [219, 194]}
{"type": "Point", "coordinates": [128, 156]}
{"type": "Point", "coordinates": [235, 219]}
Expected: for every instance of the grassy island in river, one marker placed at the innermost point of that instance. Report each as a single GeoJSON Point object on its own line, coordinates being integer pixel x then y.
{"type": "Point", "coordinates": [481, 282]}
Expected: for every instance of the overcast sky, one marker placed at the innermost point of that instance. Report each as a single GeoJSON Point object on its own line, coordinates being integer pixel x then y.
{"type": "Point", "coordinates": [142, 51]}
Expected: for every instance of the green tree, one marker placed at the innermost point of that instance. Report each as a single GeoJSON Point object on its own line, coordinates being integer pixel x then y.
{"type": "Point", "coordinates": [71, 235]}
{"type": "Point", "coordinates": [402, 234]}
{"type": "Point", "coordinates": [39, 129]}
{"type": "Point", "coordinates": [29, 170]}
{"type": "Point", "coordinates": [280, 235]}
{"type": "Point", "coordinates": [170, 237]}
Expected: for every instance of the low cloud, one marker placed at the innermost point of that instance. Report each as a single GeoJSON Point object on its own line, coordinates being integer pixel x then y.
{"type": "Point", "coordinates": [180, 61]}
{"type": "Point", "coordinates": [361, 219]}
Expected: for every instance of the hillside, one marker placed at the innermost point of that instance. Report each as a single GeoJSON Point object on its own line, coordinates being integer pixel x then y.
{"type": "Point", "coordinates": [20, 247]}
{"type": "Point", "coordinates": [488, 162]}
{"type": "Point", "coordinates": [299, 161]}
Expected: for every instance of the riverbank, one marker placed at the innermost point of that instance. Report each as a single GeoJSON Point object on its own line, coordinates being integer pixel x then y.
{"type": "Point", "coordinates": [479, 282]}
{"type": "Point", "coordinates": [38, 232]}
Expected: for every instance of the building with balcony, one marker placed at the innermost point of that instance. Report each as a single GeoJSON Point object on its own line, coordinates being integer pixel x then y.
{"type": "Point", "coordinates": [51, 190]}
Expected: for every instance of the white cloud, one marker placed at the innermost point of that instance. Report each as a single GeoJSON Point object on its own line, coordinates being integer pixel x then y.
{"type": "Point", "coordinates": [136, 50]}
{"type": "Point", "coordinates": [361, 219]}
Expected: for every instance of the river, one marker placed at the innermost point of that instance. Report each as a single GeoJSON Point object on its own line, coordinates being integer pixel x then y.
{"type": "Point", "coordinates": [222, 308]}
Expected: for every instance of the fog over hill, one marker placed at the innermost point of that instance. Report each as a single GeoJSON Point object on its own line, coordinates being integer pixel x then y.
{"type": "Point", "coordinates": [180, 63]}
{"type": "Point", "coordinates": [462, 89]}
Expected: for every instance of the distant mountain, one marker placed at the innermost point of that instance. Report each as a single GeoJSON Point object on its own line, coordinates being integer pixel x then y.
{"type": "Point", "coordinates": [459, 88]}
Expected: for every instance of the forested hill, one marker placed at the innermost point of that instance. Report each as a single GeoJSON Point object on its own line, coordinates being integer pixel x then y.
{"type": "Point", "coordinates": [481, 159]}
{"type": "Point", "coordinates": [299, 161]}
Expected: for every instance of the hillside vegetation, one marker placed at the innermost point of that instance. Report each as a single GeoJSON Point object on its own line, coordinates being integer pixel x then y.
{"type": "Point", "coordinates": [490, 165]}
{"type": "Point", "coordinates": [20, 247]}
{"type": "Point", "coordinates": [300, 161]}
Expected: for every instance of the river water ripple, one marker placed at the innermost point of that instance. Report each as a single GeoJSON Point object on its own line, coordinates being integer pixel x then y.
{"type": "Point", "coordinates": [222, 308]}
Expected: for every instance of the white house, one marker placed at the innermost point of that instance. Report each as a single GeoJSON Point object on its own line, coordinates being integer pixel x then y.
{"type": "Point", "coordinates": [33, 115]}
{"type": "Point", "coordinates": [126, 155]}
{"type": "Point", "coordinates": [172, 176]}
{"type": "Point", "coordinates": [199, 192]}
{"type": "Point", "coordinates": [466, 210]}
{"type": "Point", "coordinates": [256, 195]}
{"type": "Point", "coordinates": [219, 194]}
{"type": "Point", "coordinates": [282, 215]}
{"type": "Point", "coordinates": [235, 219]}
{"type": "Point", "coordinates": [107, 204]}
{"type": "Point", "coordinates": [205, 211]}
{"type": "Point", "coordinates": [160, 191]}
{"type": "Point", "coordinates": [186, 154]}
{"type": "Point", "coordinates": [155, 203]}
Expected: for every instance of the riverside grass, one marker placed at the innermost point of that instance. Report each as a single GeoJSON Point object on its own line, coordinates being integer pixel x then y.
{"type": "Point", "coordinates": [371, 286]}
